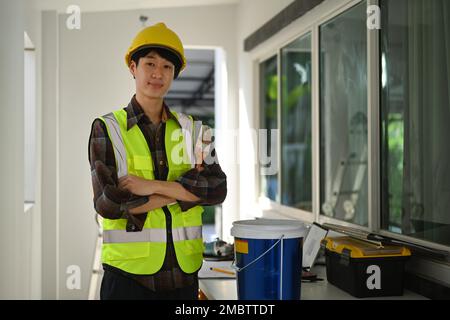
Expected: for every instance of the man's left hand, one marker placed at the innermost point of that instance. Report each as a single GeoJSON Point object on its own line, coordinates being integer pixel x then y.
{"type": "Point", "coordinates": [137, 185]}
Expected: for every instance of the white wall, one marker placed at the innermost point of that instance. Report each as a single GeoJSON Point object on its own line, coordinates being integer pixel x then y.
{"type": "Point", "coordinates": [33, 29]}
{"type": "Point", "coordinates": [20, 229]}
{"type": "Point", "coordinates": [50, 157]}
{"type": "Point", "coordinates": [14, 224]}
{"type": "Point", "coordinates": [251, 16]}
{"type": "Point", "coordinates": [93, 80]}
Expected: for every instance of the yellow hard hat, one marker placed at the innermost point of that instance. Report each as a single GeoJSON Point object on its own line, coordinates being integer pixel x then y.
{"type": "Point", "coordinates": [158, 36]}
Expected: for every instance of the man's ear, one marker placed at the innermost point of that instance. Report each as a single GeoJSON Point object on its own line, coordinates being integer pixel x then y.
{"type": "Point", "coordinates": [133, 68]}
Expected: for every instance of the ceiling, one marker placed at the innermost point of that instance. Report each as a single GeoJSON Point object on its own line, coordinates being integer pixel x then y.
{"type": "Point", "coordinates": [116, 5]}
{"type": "Point", "coordinates": [193, 91]}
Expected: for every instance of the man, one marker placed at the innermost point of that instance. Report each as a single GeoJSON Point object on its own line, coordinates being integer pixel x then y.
{"type": "Point", "coordinates": [152, 169]}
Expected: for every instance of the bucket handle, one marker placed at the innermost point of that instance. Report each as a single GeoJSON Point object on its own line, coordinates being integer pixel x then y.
{"type": "Point", "coordinates": [235, 267]}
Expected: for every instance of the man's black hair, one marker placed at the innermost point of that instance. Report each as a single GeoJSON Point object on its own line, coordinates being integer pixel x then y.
{"type": "Point", "coordinates": [164, 53]}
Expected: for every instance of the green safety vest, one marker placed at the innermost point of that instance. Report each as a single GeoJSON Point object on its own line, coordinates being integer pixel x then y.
{"type": "Point", "coordinates": [143, 252]}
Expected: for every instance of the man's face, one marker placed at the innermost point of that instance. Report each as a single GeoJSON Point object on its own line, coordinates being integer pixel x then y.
{"type": "Point", "coordinates": [153, 74]}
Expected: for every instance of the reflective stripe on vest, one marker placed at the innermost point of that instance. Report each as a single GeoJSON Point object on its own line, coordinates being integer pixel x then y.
{"type": "Point", "coordinates": [198, 138]}
{"type": "Point", "coordinates": [187, 233]}
{"type": "Point", "coordinates": [151, 235]}
{"type": "Point", "coordinates": [118, 145]}
{"type": "Point", "coordinates": [192, 131]}
{"type": "Point", "coordinates": [146, 235]}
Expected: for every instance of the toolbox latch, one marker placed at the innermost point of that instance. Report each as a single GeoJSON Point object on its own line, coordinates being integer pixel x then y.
{"type": "Point", "coordinates": [345, 257]}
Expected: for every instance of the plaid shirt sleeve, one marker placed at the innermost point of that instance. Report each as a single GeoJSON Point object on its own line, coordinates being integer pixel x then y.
{"type": "Point", "coordinates": [208, 182]}
{"type": "Point", "coordinates": [109, 201]}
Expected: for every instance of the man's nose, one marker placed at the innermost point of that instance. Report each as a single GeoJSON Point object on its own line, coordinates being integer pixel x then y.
{"type": "Point", "coordinates": [157, 72]}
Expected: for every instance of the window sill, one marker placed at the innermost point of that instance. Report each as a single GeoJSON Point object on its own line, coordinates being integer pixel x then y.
{"type": "Point", "coordinates": [275, 210]}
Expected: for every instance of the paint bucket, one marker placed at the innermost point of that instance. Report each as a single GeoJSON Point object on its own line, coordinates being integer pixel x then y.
{"type": "Point", "coordinates": [268, 258]}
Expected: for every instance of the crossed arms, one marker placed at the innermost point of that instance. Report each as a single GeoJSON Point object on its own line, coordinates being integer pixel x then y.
{"type": "Point", "coordinates": [162, 192]}
{"type": "Point", "coordinates": [116, 198]}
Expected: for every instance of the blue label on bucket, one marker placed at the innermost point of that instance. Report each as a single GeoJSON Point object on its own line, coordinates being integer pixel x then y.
{"type": "Point", "coordinates": [276, 275]}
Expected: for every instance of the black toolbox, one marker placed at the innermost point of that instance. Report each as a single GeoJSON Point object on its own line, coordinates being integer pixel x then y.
{"type": "Point", "coordinates": [364, 269]}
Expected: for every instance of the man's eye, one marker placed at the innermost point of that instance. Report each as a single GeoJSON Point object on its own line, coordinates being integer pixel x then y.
{"type": "Point", "coordinates": [168, 67]}
{"type": "Point", "coordinates": [151, 64]}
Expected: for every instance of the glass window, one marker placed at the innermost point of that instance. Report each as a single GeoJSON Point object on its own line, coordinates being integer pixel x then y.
{"type": "Point", "coordinates": [296, 186]}
{"type": "Point", "coordinates": [415, 113]}
{"type": "Point", "coordinates": [268, 125]}
{"type": "Point", "coordinates": [343, 116]}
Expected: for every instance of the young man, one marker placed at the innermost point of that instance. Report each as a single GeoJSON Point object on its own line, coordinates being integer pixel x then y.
{"type": "Point", "coordinates": [150, 177]}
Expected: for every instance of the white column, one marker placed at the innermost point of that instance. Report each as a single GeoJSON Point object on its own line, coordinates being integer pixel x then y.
{"type": "Point", "coordinates": [50, 155]}
{"type": "Point", "coordinates": [12, 148]}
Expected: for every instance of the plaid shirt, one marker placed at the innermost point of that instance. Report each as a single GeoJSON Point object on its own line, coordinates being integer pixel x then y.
{"type": "Point", "coordinates": [113, 203]}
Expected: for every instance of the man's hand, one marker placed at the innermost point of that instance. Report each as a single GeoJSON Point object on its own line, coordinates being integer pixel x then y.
{"type": "Point", "coordinates": [143, 187]}
{"type": "Point", "coordinates": [155, 201]}
{"type": "Point", "coordinates": [136, 185]}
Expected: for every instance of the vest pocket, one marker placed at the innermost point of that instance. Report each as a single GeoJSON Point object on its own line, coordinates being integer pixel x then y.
{"type": "Point", "coordinates": [189, 247]}
{"type": "Point", "coordinates": [194, 246]}
{"type": "Point", "coordinates": [193, 217]}
{"type": "Point", "coordinates": [125, 251]}
{"type": "Point", "coordinates": [141, 166]}
{"type": "Point", "coordinates": [142, 163]}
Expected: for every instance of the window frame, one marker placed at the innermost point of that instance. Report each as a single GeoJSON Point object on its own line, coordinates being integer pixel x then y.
{"type": "Point", "coordinates": [311, 23]}
{"type": "Point", "coordinates": [320, 217]}
{"type": "Point", "coordinates": [257, 97]}
{"type": "Point", "coordinates": [264, 202]}
{"type": "Point", "coordinates": [375, 122]}
{"type": "Point", "coordinates": [280, 115]}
